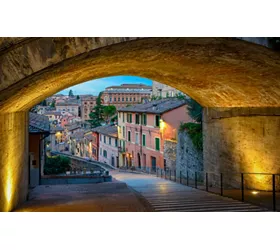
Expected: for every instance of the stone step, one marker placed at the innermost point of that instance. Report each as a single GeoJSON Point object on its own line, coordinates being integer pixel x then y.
{"type": "Point", "coordinates": [230, 209]}
{"type": "Point", "coordinates": [202, 206]}
{"type": "Point", "coordinates": [192, 203]}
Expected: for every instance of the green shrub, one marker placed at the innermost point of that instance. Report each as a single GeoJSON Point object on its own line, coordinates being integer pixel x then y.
{"type": "Point", "coordinates": [57, 165]}
{"type": "Point", "coordinates": [194, 130]}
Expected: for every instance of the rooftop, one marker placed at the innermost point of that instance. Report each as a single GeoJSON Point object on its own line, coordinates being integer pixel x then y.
{"type": "Point", "coordinates": [56, 129]}
{"type": "Point", "coordinates": [110, 130]}
{"type": "Point", "coordinates": [67, 104]}
{"type": "Point", "coordinates": [130, 86]}
{"type": "Point", "coordinates": [53, 113]}
{"type": "Point", "coordinates": [155, 107]}
{"type": "Point", "coordinates": [38, 123]}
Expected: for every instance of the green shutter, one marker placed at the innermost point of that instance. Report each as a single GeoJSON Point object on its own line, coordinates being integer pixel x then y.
{"type": "Point", "coordinates": [144, 119]}
{"type": "Point", "coordinates": [157, 144]}
{"type": "Point", "coordinates": [144, 140]}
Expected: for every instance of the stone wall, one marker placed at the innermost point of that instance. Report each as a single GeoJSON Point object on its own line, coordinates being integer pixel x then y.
{"type": "Point", "coordinates": [242, 140]}
{"type": "Point", "coordinates": [169, 154]}
{"type": "Point", "coordinates": [188, 157]}
{"type": "Point", "coordinates": [13, 159]}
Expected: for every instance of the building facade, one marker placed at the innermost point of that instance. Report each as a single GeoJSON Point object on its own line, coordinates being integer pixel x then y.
{"type": "Point", "coordinates": [88, 102]}
{"type": "Point", "coordinates": [147, 126]}
{"type": "Point", "coordinates": [95, 145]}
{"type": "Point", "coordinates": [72, 107]}
{"type": "Point", "coordinates": [108, 144]}
{"type": "Point", "coordinates": [39, 130]}
{"type": "Point", "coordinates": [126, 94]}
{"type": "Point", "coordinates": [164, 91]}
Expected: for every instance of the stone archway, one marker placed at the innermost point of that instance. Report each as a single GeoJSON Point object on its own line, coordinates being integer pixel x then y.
{"type": "Point", "coordinates": [232, 79]}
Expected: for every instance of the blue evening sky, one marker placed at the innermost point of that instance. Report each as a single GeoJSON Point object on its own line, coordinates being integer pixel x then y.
{"type": "Point", "coordinates": [95, 86]}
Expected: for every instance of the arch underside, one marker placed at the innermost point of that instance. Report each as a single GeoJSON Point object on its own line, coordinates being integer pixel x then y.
{"type": "Point", "coordinates": [216, 72]}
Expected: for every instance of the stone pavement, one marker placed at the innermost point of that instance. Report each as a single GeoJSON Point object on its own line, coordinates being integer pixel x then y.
{"type": "Point", "coordinates": [129, 192]}
{"type": "Point", "coordinates": [102, 197]}
{"type": "Point", "coordinates": [164, 195]}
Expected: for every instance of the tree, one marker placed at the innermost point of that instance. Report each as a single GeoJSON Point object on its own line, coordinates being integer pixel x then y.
{"type": "Point", "coordinates": [109, 111]}
{"type": "Point", "coordinates": [180, 96]}
{"type": "Point", "coordinates": [195, 110]}
{"type": "Point", "coordinates": [53, 104]}
{"type": "Point", "coordinates": [71, 93]}
{"type": "Point", "coordinates": [57, 165]}
{"type": "Point", "coordinates": [43, 103]}
{"type": "Point", "coordinates": [78, 97]}
{"type": "Point", "coordinates": [194, 130]}
{"type": "Point", "coordinates": [96, 116]}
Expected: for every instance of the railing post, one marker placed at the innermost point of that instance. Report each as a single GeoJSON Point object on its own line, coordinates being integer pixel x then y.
{"type": "Point", "coordinates": [274, 192]}
{"type": "Point", "coordinates": [187, 177]}
{"type": "Point", "coordinates": [195, 179]}
{"type": "Point", "coordinates": [165, 174]}
{"type": "Point", "coordinates": [180, 177]}
{"type": "Point", "coordinates": [242, 186]}
{"type": "Point", "coordinates": [170, 174]}
{"type": "Point", "coordinates": [175, 179]}
{"type": "Point", "coordinates": [161, 173]}
{"type": "Point", "coordinates": [222, 184]}
{"type": "Point", "coordinates": [206, 180]}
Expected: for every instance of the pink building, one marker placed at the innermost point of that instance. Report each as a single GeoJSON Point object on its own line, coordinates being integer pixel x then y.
{"type": "Point", "coordinates": [108, 144]}
{"type": "Point", "coordinates": [146, 128]}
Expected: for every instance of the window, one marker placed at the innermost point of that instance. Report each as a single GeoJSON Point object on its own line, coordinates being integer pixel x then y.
{"type": "Point", "coordinates": [134, 99]}
{"type": "Point", "coordinates": [110, 99]}
{"type": "Point", "coordinates": [157, 120]}
{"type": "Point", "coordinates": [129, 136]}
{"type": "Point", "coordinates": [100, 151]}
{"type": "Point", "coordinates": [109, 140]}
{"type": "Point", "coordinates": [157, 144]}
{"type": "Point", "coordinates": [123, 130]}
{"type": "Point", "coordinates": [104, 137]}
{"type": "Point", "coordinates": [105, 153]}
{"type": "Point", "coordinates": [129, 118]}
{"type": "Point", "coordinates": [119, 99]}
{"type": "Point", "coordinates": [144, 119]}
{"type": "Point", "coordinates": [115, 99]}
{"type": "Point", "coordinates": [100, 138]}
{"type": "Point", "coordinates": [119, 114]}
{"type": "Point", "coordinates": [137, 120]}
{"type": "Point", "coordinates": [137, 138]}
{"type": "Point", "coordinates": [126, 98]}
{"type": "Point", "coordinates": [123, 99]}
{"type": "Point", "coordinates": [130, 99]}
{"type": "Point", "coordinates": [144, 140]}
{"type": "Point", "coordinates": [123, 117]}
{"type": "Point", "coordinates": [116, 142]}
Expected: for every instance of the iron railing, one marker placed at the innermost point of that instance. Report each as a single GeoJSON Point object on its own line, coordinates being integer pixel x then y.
{"type": "Point", "coordinates": [262, 189]}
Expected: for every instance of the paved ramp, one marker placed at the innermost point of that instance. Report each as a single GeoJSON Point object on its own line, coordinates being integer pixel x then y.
{"type": "Point", "coordinates": [167, 196]}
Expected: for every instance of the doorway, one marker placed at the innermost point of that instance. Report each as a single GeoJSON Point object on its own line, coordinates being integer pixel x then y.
{"type": "Point", "coordinates": [154, 163]}
{"type": "Point", "coordinates": [139, 160]}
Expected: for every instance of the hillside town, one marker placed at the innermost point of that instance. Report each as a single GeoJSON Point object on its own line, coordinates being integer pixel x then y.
{"type": "Point", "coordinates": [132, 134]}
